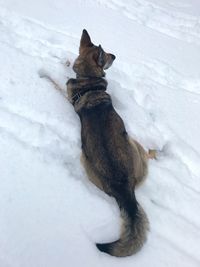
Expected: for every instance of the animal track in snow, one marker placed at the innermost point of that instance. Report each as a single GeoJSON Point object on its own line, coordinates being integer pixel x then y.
{"type": "Point", "coordinates": [175, 24]}
{"type": "Point", "coordinates": [33, 38]}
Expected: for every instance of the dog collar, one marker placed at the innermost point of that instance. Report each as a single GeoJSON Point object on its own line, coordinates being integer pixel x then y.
{"type": "Point", "coordinates": [78, 95]}
{"type": "Point", "coordinates": [79, 87]}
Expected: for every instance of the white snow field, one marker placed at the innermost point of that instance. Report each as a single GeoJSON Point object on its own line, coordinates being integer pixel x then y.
{"type": "Point", "coordinates": [50, 214]}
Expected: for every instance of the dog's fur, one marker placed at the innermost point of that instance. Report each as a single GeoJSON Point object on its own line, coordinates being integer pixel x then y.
{"type": "Point", "coordinates": [114, 162]}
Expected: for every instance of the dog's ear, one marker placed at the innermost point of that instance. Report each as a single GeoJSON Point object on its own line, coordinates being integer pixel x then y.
{"type": "Point", "coordinates": [85, 40]}
{"type": "Point", "coordinates": [100, 56]}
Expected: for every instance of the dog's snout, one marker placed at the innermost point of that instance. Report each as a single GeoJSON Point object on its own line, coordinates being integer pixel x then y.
{"type": "Point", "coordinates": [113, 57]}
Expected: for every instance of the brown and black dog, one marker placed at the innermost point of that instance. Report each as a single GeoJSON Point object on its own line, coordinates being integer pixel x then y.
{"type": "Point", "coordinates": [113, 161]}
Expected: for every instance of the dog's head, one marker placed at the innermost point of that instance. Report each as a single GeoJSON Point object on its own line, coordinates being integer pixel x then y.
{"type": "Point", "coordinates": [92, 59]}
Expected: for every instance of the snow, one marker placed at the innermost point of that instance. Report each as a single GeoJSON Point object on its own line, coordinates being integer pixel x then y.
{"type": "Point", "coordinates": [50, 214]}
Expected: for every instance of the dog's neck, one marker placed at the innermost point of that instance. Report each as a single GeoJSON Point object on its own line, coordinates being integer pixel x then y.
{"type": "Point", "coordinates": [78, 87]}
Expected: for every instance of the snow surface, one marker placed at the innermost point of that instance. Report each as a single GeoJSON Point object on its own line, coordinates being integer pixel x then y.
{"type": "Point", "coordinates": [50, 214]}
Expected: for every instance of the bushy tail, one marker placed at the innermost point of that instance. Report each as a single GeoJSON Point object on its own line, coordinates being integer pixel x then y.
{"type": "Point", "coordinates": [134, 230]}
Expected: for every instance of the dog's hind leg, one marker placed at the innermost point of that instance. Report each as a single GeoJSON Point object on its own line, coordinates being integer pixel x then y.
{"type": "Point", "coordinates": [90, 172]}
{"type": "Point", "coordinates": [140, 162]}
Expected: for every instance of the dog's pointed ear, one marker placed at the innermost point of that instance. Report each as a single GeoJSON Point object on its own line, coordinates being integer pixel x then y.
{"type": "Point", "coordinates": [100, 57]}
{"type": "Point", "coordinates": [85, 40]}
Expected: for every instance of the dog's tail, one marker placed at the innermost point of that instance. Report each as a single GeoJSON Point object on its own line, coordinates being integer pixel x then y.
{"type": "Point", "coordinates": [134, 231]}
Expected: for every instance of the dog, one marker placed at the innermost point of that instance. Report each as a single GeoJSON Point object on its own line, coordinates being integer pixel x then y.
{"type": "Point", "coordinates": [114, 162]}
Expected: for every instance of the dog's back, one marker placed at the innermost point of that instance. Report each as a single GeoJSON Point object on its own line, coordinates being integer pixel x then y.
{"type": "Point", "coordinates": [105, 142]}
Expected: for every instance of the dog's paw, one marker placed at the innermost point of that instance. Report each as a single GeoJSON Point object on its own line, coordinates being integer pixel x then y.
{"type": "Point", "coordinates": [152, 154]}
